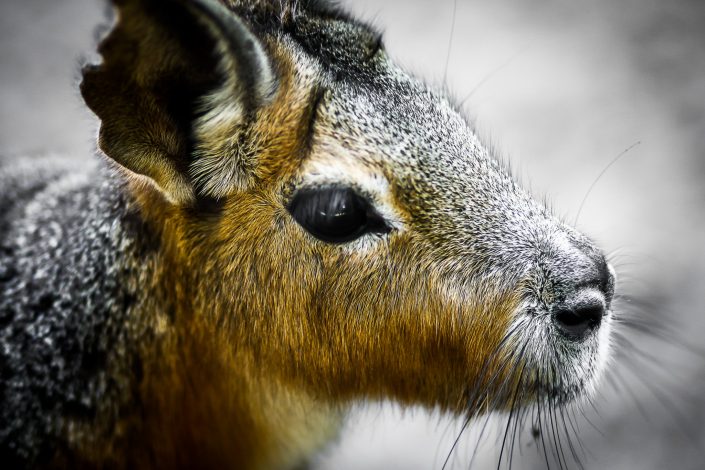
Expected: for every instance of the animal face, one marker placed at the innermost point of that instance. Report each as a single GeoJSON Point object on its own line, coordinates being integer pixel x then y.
{"type": "Point", "coordinates": [340, 222]}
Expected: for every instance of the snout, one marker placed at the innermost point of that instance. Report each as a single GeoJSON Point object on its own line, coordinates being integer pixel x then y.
{"type": "Point", "coordinates": [574, 286]}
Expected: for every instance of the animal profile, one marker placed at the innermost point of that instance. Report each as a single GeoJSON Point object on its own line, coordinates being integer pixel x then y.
{"type": "Point", "coordinates": [281, 223]}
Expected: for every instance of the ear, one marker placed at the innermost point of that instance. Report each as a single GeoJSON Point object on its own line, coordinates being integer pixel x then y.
{"type": "Point", "coordinates": [174, 74]}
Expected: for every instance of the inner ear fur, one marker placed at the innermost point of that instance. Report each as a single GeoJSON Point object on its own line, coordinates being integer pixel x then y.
{"type": "Point", "coordinates": [171, 71]}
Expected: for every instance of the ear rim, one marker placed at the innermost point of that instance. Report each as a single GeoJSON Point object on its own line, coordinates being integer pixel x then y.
{"type": "Point", "coordinates": [258, 78]}
{"type": "Point", "coordinates": [246, 82]}
{"type": "Point", "coordinates": [217, 174]}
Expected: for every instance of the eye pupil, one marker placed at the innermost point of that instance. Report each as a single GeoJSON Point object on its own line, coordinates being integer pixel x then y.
{"type": "Point", "coordinates": [335, 215]}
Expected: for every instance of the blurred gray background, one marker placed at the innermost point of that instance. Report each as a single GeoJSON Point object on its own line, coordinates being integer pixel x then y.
{"type": "Point", "coordinates": [561, 88]}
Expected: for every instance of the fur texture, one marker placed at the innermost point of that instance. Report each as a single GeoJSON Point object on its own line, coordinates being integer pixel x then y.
{"type": "Point", "coordinates": [164, 309]}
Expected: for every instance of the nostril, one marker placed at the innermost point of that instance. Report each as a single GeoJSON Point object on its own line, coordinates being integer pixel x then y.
{"type": "Point", "coordinates": [577, 322]}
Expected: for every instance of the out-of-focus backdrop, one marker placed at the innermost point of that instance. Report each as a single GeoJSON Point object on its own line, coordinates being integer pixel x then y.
{"type": "Point", "coordinates": [561, 89]}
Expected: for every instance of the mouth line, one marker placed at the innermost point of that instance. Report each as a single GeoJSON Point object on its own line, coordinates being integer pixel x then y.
{"type": "Point", "coordinates": [558, 367]}
{"type": "Point", "coordinates": [536, 383]}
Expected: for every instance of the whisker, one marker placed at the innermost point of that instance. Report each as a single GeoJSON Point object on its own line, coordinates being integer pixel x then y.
{"type": "Point", "coordinates": [671, 408]}
{"type": "Point", "coordinates": [450, 44]}
{"type": "Point", "coordinates": [518, 419]}
{"type": "Point", "coordinates": [569, 439]}
{"type": "Point", "coordinates": [479, 439]}
{"type": "Point", "coordinates": [609, 165]}
{"type": "Point", "coordinates": [543, 439]}
{"type": "Point", "coordinates": [492, 73]}
{"type": "Point", "coordinates": [662, 333]}
{"type": "Point", "coordinates": [576, 430]}
{"type": "Point", "coordinates": [514, 402]}
{"type": "Point", "coordinates": [479, 388]}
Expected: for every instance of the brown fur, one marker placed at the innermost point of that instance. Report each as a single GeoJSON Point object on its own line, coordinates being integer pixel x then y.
{"type": "Point", "coordinates": [235, 374]}
{"type": "Point", "coordinates": [259, 339]}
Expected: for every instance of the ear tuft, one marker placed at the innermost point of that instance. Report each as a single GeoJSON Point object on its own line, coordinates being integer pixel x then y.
{"type": "Point", "coordinates": [221, 129]}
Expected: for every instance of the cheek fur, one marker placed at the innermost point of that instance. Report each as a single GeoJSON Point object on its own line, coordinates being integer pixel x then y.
{"type": "Point", "coordinates": [308, 309]}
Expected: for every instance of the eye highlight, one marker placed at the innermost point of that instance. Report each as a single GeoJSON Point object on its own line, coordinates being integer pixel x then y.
{"type": "Point", "coordinates": [335, 215]}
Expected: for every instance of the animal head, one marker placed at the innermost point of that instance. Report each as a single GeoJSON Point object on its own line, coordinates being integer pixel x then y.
{"type": "Point", "coordinates": [338, 220]}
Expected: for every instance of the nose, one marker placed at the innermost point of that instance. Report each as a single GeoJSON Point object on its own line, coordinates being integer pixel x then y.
{"type": "Point", "coordinates": [581, 313]}
{"type": "Point", "coordinates": [577, 321]}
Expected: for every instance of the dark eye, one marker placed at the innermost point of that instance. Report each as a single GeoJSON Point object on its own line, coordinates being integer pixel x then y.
{"type": "Point", "coordinates": [335, 215]}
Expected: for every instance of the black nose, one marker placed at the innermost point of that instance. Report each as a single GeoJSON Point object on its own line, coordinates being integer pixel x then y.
{"type": "Point", "coordinates": [577, 321]}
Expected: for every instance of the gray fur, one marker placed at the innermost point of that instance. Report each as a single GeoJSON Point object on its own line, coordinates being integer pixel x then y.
{"type": "Point", "coordinates": [64, 299]}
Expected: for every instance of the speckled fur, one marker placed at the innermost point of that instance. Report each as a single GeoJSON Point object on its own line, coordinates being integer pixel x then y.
{"type": "Point", "coordinates": [69, 246]}
{"type": "Point", "coordinates": [163, 309]}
